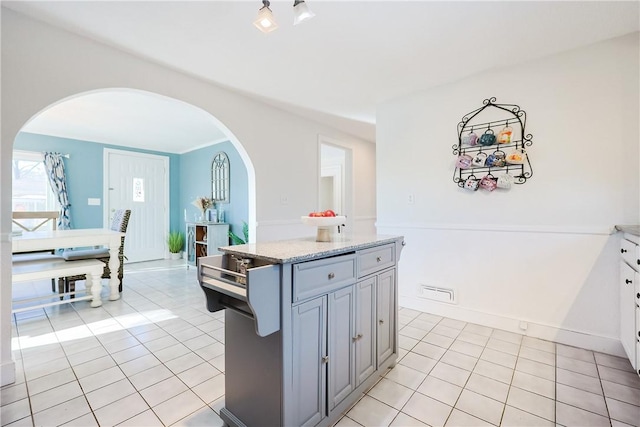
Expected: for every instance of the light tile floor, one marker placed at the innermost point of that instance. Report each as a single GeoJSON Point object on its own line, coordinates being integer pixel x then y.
{"type": "Point", "coordinates": [156, 357]}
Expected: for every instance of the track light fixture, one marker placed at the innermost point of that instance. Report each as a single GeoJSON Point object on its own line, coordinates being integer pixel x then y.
{"type": "Point", "coordinates": [266, 23]}
{"type": "Point", "coordinates": [301, 12]}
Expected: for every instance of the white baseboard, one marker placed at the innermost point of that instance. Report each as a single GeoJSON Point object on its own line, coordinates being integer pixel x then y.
{"type": "Point", "coordinates": [7, 372]}
{"type": "Point", "coordinates": [603, 344]}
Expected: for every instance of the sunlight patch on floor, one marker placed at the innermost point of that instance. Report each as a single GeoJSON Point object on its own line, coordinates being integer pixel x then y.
{"type": "Point", "coordinates": [93, 329]}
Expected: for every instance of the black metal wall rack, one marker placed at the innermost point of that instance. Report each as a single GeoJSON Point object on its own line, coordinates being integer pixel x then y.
{"type": "Point", "coordinates": [514, 117]}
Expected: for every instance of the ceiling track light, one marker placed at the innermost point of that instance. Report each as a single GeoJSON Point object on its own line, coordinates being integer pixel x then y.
{"type": "Point", "coordinates": [266, 23]}
{"type": "Point", "coordinates": [301, 12]}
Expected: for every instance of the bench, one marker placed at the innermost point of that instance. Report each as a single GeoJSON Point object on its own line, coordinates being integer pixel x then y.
{"type": "Point", "coordinates": [38, 269]}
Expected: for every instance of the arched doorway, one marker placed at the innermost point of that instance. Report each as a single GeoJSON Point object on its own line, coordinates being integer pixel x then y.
{"type": "Point", "coordinates": [144, 123]}
{"type": "Point", "coordinates": [10, 133]}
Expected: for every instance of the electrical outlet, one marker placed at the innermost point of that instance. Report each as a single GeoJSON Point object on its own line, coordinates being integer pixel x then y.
{"type": "Point", "coordinates": [411, 199]}
{"type": "Point", "coordinates": [284, 200]}
{"type": "Point", "coordinates": [524, 325]}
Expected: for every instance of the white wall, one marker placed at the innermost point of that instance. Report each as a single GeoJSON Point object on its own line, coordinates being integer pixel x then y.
{"type": "Point", "coordinates": [540, 252]}
{"type": "Point", "coordinates": [41, 65]}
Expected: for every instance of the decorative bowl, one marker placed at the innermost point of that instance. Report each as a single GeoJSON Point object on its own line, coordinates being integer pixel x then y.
{"type": "Point", "coordinates": [324, 224]}
{"type": "Point", "coordinates": [323, 221]}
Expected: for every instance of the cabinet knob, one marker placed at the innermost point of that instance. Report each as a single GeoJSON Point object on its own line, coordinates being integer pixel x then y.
{"type": "Point", "coordinates": [628, 282]}
{"type": "Point", "coordinates": [331, 276]}
{"type": "Point", "coordinates": [404, 243]}
{"type": "Point", "coordinates": [325, 359]}
{"type": "Point", "coordinates": [622, 251]}
{"type": "Point", "coordinates": [381, 321]}
{"type": "Point", "coordinates": [638, 295]}
{"type": "Point", "coordinates": [357, 337]}
{"type": "Point", "coordinates": [638, 262]}
{"type": "Point", "coordinates": [379, 259]}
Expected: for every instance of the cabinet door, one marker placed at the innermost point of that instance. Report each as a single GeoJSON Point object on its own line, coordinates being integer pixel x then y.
{"type": "Point", "coordinates": [386, 315]}
{"type": "Point", "coordinates": [628, 310]}
{"type": "Point", "coordinates": [309, 361]}
{"type": "Point", "coordinates": [365, 338]}
{"type": "Point", "coordinates": [191, 244]}
{"type": "Point", "coordinates": [341, 355]}
{"type": "Point", "coordinates": [217, 235]}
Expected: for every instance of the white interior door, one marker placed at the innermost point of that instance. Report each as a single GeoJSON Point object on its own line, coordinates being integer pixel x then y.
{"type": "Point", "coordinates": [139, 182]}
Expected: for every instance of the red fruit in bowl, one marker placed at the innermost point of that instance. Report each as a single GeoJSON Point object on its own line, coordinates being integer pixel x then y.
{"type": "Point", "coordinates": [328, 212]}
{"type": "Point", "coordinates": [315, 214]}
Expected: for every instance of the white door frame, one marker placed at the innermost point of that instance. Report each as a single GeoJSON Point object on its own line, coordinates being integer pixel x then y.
{"type": "Point", "coordinates": [105, 190]}
{"type": "Point", "coordinates": [347, 183]}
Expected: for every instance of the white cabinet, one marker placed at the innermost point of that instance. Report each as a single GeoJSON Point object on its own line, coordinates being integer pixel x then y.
{"type": "Point", "coordinates": [204, 239]}
{"type": "Point", "coordinates": [630, 299]}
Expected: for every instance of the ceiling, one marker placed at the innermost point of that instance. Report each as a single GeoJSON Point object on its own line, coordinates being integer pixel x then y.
{"type": "Point", "coordinates": [336, 67]}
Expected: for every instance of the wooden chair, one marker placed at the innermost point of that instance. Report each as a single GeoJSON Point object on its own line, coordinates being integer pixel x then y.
{"type": "Point", "coordinates": [45, 216]}
{"type": "Point", "coordinates": [119, 223]}
{"type": "Point", "coordinates": [24, 220]}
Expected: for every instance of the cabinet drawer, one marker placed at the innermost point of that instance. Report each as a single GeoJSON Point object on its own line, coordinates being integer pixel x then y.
{"type": "Point", "coordinates": [253, 292]}
{"type": "Point", "coordinates": [629, 251]}
{"type": "Point", "coordinates": [322, 276]}
{"type": "Point", "coordinates": [376, 259]}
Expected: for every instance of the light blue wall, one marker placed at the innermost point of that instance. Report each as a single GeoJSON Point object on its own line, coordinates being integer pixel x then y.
{"type": "Point", "coordinates": [84, 169]}
{"type": "Point", "coordinates": [189, 177]}
{"type": "Point", "coordinates": [195, 181]}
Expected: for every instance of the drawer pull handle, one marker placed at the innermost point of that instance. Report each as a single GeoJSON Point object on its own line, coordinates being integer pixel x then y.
{"type": "Point", "coordinates": [331, 276]}
{"type": "Point", "coordinates": [381, 321]}
{"type": "Point", "coordinates": [379, 259]}
{"type": "Point", "coordinates": [628, 282]}
{"type": "Point", "coordinates": [622, 251]}
{"type": "Point", "coordinates": [325, 359]}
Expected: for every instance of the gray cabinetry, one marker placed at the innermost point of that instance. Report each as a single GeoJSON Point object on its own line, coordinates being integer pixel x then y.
{"type": "Point", "coordinates": [327, 329]}
{"type": "Point", "coordinates": [309, 361]}
{"type": "Point", "coordinates": [365, 331]}
{"type": "Point", "coordinates": [345, 320]}
{"type": "Point", "coordinates": [386, 315]}
{"type": "Point", "coordinates": [341, 345]}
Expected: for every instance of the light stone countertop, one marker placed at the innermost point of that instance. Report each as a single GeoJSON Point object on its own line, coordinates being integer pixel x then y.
{"type": "Point", "coordinates": [306, 249]}
{"type": "Point", "coordinates": [631, 229]}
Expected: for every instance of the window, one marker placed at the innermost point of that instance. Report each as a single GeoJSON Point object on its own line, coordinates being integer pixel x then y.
{"type": "Point", "coordinates": [31, 189]}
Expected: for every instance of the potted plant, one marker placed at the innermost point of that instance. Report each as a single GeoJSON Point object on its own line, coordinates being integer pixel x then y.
{"type": "Point", "coordinates": [237, 240]}
{"type": "Point", "coordinates": [176, 243]}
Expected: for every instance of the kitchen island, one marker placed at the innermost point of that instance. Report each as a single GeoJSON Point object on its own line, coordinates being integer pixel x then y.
{"type": "Point", "coordinates": [309, 326]}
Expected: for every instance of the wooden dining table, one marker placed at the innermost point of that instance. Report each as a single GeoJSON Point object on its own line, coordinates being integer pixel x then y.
{"type": "Point", "coordinates": [62, 239]}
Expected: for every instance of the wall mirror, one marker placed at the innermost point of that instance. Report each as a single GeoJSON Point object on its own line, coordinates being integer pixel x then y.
{"type": "Point", "coordinates": [220, 178]}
